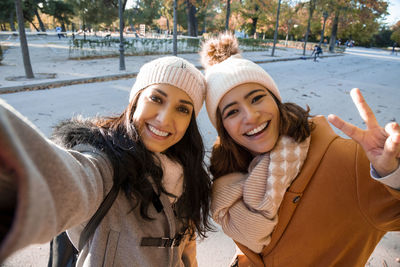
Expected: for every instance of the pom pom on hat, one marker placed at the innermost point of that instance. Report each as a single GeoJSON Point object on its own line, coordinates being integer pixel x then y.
{"type": "Point", "coordinates": [216, 50]}
{"type": "Point", "coordinates": [174, 71]}
{"type": "Point", "coordinates": [225, 69]}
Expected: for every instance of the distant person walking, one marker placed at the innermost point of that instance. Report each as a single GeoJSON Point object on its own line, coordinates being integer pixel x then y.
{"type": "Point", "coordinates": [316, 52]}
{"type": "Point", "coordinates": [59, 32]}
{"type": "Point", "coordinates": [394, 48]}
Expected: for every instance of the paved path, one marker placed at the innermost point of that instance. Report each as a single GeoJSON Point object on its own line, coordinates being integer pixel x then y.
{"type": "Point", "coordinates": [49, 56]}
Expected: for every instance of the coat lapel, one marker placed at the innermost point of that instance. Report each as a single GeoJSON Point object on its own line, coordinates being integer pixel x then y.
{"type": "Point", "coordinates": [321, 137]}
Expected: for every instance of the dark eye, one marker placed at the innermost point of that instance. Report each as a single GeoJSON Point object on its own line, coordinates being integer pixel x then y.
{"type": "Point", "coordinates": [257, 98]}
{"type": "Point", "coordinates": [156, 99]}
{"type": "Point", "coordinates": [230, 113]}
{"type": "Point", "coordinates": [183, 109]}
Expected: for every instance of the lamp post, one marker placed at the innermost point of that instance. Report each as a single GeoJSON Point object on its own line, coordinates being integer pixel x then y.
{"type": "Point", "coordinates": [121, 37]}
{"type": "Point", "coordinates": [325, 15]}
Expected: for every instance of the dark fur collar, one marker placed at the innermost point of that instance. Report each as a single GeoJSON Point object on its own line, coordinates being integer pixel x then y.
{"type": "Point", "coordinates": [72, 132]}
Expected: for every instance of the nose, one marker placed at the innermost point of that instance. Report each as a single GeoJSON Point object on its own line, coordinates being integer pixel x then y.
{"type": "Point", "coordinates": [164, 116]}
{"type": "Point", "coordinates": [251, 115]}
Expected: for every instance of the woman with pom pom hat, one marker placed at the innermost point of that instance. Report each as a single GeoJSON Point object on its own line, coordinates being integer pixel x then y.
{"type": "Point", "coordinates": [148, 161]}
{"type": "Point", "coordinates": [287, 189]}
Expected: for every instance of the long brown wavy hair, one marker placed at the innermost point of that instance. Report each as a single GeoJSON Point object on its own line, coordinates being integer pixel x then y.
{"type": "Point", "coordinates": [133, 163]}
{"type": "Point", "coordinates": [227, 156]}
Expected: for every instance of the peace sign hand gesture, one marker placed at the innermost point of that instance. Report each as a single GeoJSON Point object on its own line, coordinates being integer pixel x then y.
{"type": "Point", "coordinates": [381, 145]}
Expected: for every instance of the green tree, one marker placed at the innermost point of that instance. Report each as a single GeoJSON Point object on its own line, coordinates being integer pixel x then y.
{"type": "Point", "coordinates": [94, 13]}
{"type": "Point", "coordinates": [382, 38]}
{"type": "Point", "coordinates": [396, 33]}
{"type": "Point", "coordinates": [253, 11]}
{"type": "Point", "coordinates": [7, 13]}
{"type": "Point", "coordinates": [147, 11]}
{"type": "Point", "coordinates": [60, 10]}
{"type": "Point", "coordinates": [364, 21]}
{"type": "Point", "coordinates": [28, 11]}
{"type": "Point", "coordinates": [31, 10]}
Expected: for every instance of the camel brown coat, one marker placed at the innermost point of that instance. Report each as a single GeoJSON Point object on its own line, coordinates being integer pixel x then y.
{"type": "Point", "coordinates": [334, 213]}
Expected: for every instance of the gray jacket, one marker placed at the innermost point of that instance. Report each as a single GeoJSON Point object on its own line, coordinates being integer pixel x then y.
{"type": "Point", "coordinates": [46, 189]}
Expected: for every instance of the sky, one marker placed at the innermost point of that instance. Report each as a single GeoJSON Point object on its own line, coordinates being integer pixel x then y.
{"type": "Point", "coordinates": [394, 10]}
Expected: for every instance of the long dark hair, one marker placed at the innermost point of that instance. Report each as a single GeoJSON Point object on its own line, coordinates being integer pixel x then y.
{"type": "Point", "coordinates": [227, 156]}
{"type": "Point", "coordinates": [133, 163]}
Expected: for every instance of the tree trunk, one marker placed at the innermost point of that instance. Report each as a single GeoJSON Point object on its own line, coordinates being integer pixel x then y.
{"type": "Point", "coordinates": [191, 15]}
{"type": "Point", "coordinates": [121, 36]}
{"type": "Point", "coordinates": [276, 28]}
{"type": "Point", "coordinates": [22, 38]}
{"type": "Point", "coordinates": [63, 28]}
{"type": "Point", "coordinates": [253, 26]}
{"type": "Point", "coordinates": [31, 22]}
{"type": "Point", "coordinates": [228, 13]}
{"type": "Point", "coordinates": [321, 40]}
{"type": "Point", "coordinates": [174, 40]}
{"type": "Point", "coordinates": [11, 21]}
{"type": "Point", "coordinates": [332, 41]}
{"type": "Point", "coordinates": [254, 22]}
{"type": "Point", "coordinates": [168, 25]}
{"type": "Point", "coordinates": [41, 25]}
{"type": "Point", "coordinates": [204, 24]}
{"type": "Point", "coordinates": [312, 7]}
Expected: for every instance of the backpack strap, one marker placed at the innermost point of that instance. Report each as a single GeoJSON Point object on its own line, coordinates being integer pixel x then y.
{"type": "Point", "coordinates": [101, 212]}
{"type": "Point", "coordinates": [96, 219]}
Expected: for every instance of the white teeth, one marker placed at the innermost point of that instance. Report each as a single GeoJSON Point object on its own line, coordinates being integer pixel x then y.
{"type": "Point", "coordinates": [258, 129]}
{"type": "Point", "coordinates": [158, 132]}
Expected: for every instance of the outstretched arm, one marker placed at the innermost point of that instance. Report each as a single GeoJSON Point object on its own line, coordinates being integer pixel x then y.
{"type": "Point", "coordinates": [381, 145]}
{"type": "Point", "coordinates": [44, 189]}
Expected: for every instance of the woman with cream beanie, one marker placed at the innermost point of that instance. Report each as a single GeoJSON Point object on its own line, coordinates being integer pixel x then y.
{"type": "Point", "coordinates": [287, 189]}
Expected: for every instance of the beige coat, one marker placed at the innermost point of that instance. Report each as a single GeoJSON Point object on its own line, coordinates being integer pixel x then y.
{"type": "Point", "coordinates": [45, 189]}
{"type": "Point", "coordinates": [334, 213]}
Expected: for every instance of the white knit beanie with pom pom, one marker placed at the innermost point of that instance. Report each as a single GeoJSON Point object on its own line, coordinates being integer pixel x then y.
{"type": "Point", "coordinates": [225, 69]}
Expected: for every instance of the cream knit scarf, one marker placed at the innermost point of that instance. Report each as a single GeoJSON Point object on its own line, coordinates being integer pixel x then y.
{"type": "Point", "coordinates": [246, 206]}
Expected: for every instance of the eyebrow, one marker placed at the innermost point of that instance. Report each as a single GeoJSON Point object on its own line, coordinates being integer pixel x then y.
{"type": "Point", "coordinates": [245, 97]}
{"type": "Point", "coordinates": [181, 100]}
{"type": "Point", "coordinates": [252, 92]}
{"type": "Point", "coordinates": [227, 106]}
{"type": "Point", "coordinates": [186, 102]}
{"type": "Point", "coordinates": [162, 92]}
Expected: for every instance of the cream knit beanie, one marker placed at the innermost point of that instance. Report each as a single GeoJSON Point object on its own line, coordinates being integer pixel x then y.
{"type": "Point", "coordinates": [173, 71]}
{"type": "Point", "coordinates": [225, 69]}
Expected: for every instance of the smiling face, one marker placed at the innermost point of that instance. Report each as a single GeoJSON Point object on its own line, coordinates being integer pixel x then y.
{"type": "Point", "coordinates": [250, 116]}
{"type": "Point", "coordinates": [162, 115]}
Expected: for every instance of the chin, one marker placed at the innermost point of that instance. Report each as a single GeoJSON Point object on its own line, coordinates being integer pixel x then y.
{"type": "Point", "coordinates": [154, 149]}
{"type": "Point", "coordinates": [258, 150]}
